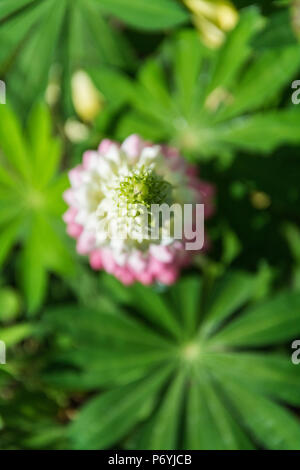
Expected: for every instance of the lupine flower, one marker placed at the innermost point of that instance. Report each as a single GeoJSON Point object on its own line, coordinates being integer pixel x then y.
{"type": "Point", "coordinates": [213, 18]}
{"type": "Point", "coordinates": [87, 100]}
{"type": "Point", "coordinates": [109, 185]}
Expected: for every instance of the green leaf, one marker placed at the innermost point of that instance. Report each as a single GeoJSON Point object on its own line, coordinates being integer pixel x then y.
{"type": "Point", "coordinates": [236, 50]}
{"type": "Point", "coordinates": [133, 123]}
{"type": "Point", "coordinates": [33, 271]}
{"type": "Point", "coordinates": [186, 296]}
{"type": "Point", "coordinates": [262, 132]}
{"type": "Point", "coordinates": [16, 28]}
{"type": "Point", "coordinates": [292, 235]}
{"type": "Point", "coordinates": [9, 6]}
{"type": "Point", "coordinates": [7, 178]}
{"type": "Point", "coordinates": [278, 32]}
{"type": "Point", "coordinates": [153, 15]}
{"type": "Point", "coordinates": [269, 423]}
{"type": "Point", "coordinates": [258, 86]}
{"type": "Point", "coordinates": [115, 288]}
{"type": "Point", "coordinates": [155, 89]}
{"type": "Point", "coordinates": [209, 424]}
{"type": "Point", "coordinates": [110, 324]}
{"type": "Point", "coordinates": [57, 257]}
{"type": "Point", "coordinates": [153, 307]}
{"type": "Point", "coordinates": [269, 374]}
{"type": "Point", "coordinates": [45, 438]}
{"type": "Point", "coordinates": [42, 45]}
{"type": "Point", "coordinates": [107, 418]}
{"type": "Point", "coordinates": [10, 304]}
{"type": "Point", "coordinates": [8, 237]}
{"type": "Point", "coordinates": [165, 425]}
{"type": "Point", "coordinates": [132, 354]}
{"type": "Point", "coordinates": [110, 47]}
{"type": "Point", "coordinates": [94, 364]}
{"type": "Point", "coordinates": [46, 151]}
{"type": "Point", "coordinates": [233, 291]}
{"type": "Point", "coordinates": [266, 323]}
{"type": "Point", "coordinates": [54, 201]}
{"type": "Point", "coordinates": [115, 87]}
{"type": "Point", "coordinates": [31, 201]}
{"type": "Point", "coordinates": [188, 56]}
{"type": "Point", "coordinates": [208, 103]}
{"type": "Point", "coordinates": [231, 246]}
{"type": "Point", "coordinates": [12, 142]}
{"type": "Point", "coordinates": [71, 34]}
{"type": "Point", "coordinates": [11, 335]}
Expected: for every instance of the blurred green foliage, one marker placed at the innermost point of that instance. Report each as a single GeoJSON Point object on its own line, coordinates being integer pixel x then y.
{"type": "Point", "coordinates": [216, 100]}
{"type": "Point", "coordinates": [205, 364]}
{"type": "Point", "coordinates": [31, 201]}
{"type": "Point", "coordinates": [75, 34]}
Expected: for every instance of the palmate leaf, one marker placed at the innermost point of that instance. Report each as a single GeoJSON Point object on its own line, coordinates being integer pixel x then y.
{"type": "Point", "coordinates": [164, 428]}
{"type": "Point", "coordinates": [277, 320]}
{"type": "Point", "coordinates": [30, 208]}
{"type": "Point", "coordinates": [157, 14]}
{"type": "Point", "coordinates": [210, 425]}
{"type": "Point", "coordinates": [188, 307]}
{"type": "Point", "coordinates": [271, 374]}
{"type": "Point", "coordinates": [212, 104]}
{"type": "Point", "coordinates": [194, 391]}
{"type": "Point", "coordinates": [77, 34]}
{"type": "Point", "coordinates": [37, 36]}
{"type": "Point", "coordinates": [273, 426]}
{"type": "Point", "coordinates": [125, 405]}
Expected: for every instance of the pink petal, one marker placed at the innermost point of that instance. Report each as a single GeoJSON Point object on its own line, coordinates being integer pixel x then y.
{"type": "Point", "coordinates": [105, 145]}
{"type": "Point", "coordinates": [125, 276]}
{"type": "Point", "coordinates": [145, 278]}
{"type": "Point", "coordinates": [96, 259]}
{"type": "Point", "coordinates": [168, 275]}
{"type": "Point", "coordinates": [155, 266]}
{"type": "Point", "coordinates": [75, 175]}
{"type": "Point", "coordinates": [133, 146]}
{"type": "Point", "coordinates": [108, 261]}
{"type": "Point", "coordinates": [88, 159]}
{"type": "Point", "coordinates": [170, 152]}
{"type": "Point", "coordinates": [68, 197]}
{"type": "Point", "coordinates": [162, 253]}
{"type": "Point", "coordinates": [85, 243]}
{"type": "Point", "coordinates": [70, 215]}
{"type": "Point", "coordinates": [74, 230]}
{"type": "Point", "coordinates": [137, 262]}
{"type": "Point", "coordinates": [191, 170]}
{"type": "Point", "coordinates": [174, 160]}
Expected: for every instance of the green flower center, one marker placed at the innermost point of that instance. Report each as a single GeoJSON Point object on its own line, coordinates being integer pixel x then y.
{"type": "Point", "coordinates": [191, 352]}
{"type": "Point", "coordinates": [145, 188]}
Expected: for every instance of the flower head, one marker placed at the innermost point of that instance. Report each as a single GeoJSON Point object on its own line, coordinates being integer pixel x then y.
{"type": "Point", "coordinates": [87, 99]}
{"type": "Point", "coordinates": [114, 191]}
{"type": "Point", "coordinates": [213, 18]}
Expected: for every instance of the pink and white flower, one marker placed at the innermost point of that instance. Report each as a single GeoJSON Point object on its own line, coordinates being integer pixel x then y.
{"type": "Point", "coordinates": [105, 177]}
